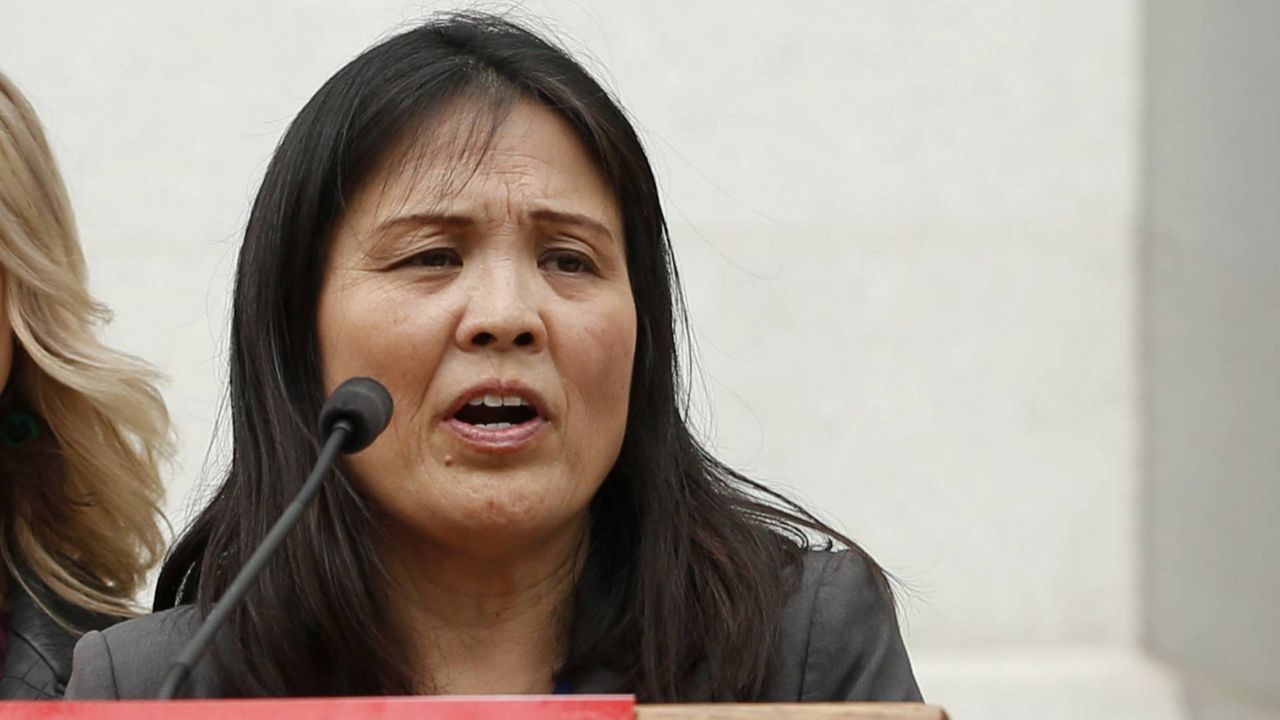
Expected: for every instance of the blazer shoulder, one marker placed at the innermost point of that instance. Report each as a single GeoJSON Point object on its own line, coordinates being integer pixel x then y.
{"type": "Point", "coordinates": [129, 660]}
{"type": "Point", "coordinates": [840, 637]}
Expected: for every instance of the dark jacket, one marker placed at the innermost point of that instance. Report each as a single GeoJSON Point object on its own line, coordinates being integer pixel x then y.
{"type": "Point", "coordinates": [839, 641]}
{"type": "Point", "coordinates": [37, 662]}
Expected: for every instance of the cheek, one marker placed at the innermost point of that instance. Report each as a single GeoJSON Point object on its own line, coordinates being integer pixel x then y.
{"type": "Point", "coordinates": [388, 333]}
{"type": "Point", "coordinates": [602, 355]}
{"type": "Point", "coordinates": [376, 331]}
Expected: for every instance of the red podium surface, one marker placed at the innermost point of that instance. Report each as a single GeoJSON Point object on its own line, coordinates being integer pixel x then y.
{"type": "Point", "coordinates": [596, 707]}
{"type": "Point", "coordinates": [586, 707]}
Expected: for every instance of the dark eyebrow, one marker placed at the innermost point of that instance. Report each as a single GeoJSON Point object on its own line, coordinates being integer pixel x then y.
{"type": "Point", "coordinates": [568, 218]}
{"type": "Point", "coordinates": [420, 219]}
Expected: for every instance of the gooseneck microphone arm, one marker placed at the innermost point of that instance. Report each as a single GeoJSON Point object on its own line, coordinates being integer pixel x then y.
{"type": "Point", "coordinates": [180, 670]}
{"type": "Point", "coordinates": [356, 413]}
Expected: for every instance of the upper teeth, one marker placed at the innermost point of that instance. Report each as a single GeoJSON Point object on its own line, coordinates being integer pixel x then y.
{"type": "Point", "coordinates": [492, 400]}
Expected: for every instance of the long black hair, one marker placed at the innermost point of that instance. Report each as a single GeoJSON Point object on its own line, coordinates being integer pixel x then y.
{"type": "Point", "coordinates": [688, 561]}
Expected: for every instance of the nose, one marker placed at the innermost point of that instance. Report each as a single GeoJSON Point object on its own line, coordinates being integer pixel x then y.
{"type": "Point", "coordinates": [502, 311]}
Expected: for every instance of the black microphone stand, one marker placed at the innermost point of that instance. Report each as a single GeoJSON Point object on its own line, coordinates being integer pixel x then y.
{"type": "Point", "coordinates": [180, 670]}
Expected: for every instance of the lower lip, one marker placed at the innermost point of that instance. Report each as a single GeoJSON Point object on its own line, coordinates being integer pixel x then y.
{"type": "Point", "coordinates": [505, 440]}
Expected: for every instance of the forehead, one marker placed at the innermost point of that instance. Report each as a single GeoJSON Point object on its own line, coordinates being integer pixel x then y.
{"type": "Point", "coordinates": [474, 157]}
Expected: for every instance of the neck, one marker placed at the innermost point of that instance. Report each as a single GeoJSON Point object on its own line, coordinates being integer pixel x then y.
{"type": "Point", "coordinates": [487, 623]}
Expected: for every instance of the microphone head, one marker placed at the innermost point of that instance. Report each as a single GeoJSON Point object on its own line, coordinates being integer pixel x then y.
{"type": "Point", "coordinates": [365, 405]}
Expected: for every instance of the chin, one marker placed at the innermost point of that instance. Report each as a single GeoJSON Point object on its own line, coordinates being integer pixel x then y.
{"type": "Point", "coordinates": [512, 506]}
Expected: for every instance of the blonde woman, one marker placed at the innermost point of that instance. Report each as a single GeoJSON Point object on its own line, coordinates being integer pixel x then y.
{"type": "Point", "coordinates": [82, 430]}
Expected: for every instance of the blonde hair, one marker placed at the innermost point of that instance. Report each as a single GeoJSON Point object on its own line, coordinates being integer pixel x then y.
{"type": "Point", "coordinates": [82, 502]}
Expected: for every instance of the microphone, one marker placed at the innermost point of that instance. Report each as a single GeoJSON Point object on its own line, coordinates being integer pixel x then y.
{"type": "Point", "coordinates": [351, 419]}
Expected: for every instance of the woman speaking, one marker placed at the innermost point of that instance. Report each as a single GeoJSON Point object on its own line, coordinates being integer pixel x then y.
{"type": "Point", "coordinates": [81, 431]}
{"type": "Point", "coordinates": [463, 213]}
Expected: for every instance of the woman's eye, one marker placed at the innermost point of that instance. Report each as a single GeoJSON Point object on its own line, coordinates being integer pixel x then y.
{"type": "Point", "coordinates": [435, 259]}
{"type": "Point", "coordinates": [567, 262]}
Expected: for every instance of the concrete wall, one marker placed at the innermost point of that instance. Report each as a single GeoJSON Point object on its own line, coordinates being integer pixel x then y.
{"type": "Point", "coordinates": [1211, 330]}
{"type": "Point", "coordinates": [906, 231]}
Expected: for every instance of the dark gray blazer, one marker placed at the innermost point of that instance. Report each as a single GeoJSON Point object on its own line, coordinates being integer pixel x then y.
{"type": "Point", "coordinates": [839, 641]}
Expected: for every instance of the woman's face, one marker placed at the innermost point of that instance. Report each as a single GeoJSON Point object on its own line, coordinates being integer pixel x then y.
{"type": "Point", "coordinates": [495, 307]}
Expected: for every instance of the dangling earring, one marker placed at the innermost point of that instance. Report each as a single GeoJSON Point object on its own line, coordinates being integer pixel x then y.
{"type": "Point", "coordinates": [18, 428]}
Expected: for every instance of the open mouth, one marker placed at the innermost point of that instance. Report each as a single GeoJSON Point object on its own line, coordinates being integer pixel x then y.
{"type": "Point", "coordinates": [496, 412]}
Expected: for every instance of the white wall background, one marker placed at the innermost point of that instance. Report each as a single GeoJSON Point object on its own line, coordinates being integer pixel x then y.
{"type": "Point", "coordinates": [906, 231]}
{"type": "Point", "coordinates": [1211, 360]}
